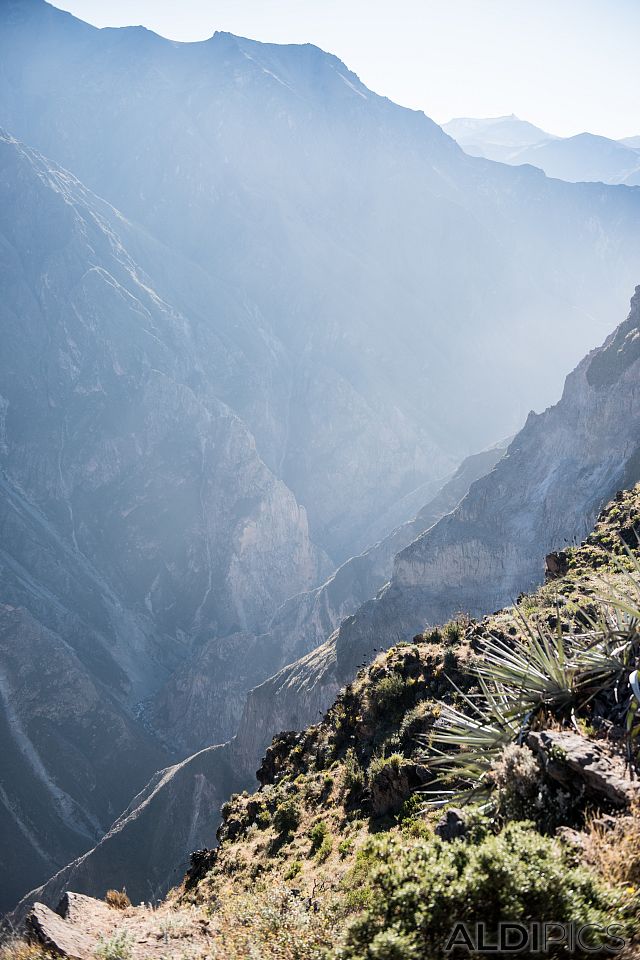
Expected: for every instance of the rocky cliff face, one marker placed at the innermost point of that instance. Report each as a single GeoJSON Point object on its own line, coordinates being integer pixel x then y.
{"type": "Point", "coordinates": [203, 686]}
{"type": "Point", "coordinates": [543, 494]}
{"type": "Point", "coordinates": [248, 309]}
{"type": "Point", "coordinates": [401, 294]}
{"type": "Point", "coordinates": [136, 516]}
{"type": "Point", "coordinates": [225, 669]}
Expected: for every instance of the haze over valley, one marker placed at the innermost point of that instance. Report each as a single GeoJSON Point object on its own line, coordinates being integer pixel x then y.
{"type": "Point", "coordinates": [290, 375]}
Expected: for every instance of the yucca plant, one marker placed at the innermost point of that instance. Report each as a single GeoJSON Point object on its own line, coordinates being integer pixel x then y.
{"type": "Point", "coordinates": [547, 675]}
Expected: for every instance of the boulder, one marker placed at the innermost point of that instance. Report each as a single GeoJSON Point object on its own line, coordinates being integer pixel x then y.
{"type": "Point", "coordinates": [57, 935]}
{"type": "Point", "coordinates": [573, 760]}
{"type": "Point", "coordinates": [451, 825]}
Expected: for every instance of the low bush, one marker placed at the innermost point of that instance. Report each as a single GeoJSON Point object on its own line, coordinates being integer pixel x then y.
{"type": "Point", "coordinates": [286, 818]}
{"type": "Point", "coordinates": [325, 848]}
{"type": "Point", "coordinates": [515, 776]}
{"type": "Point", "coordinates": [386, 696]}
{"type": "Point", "coordinates": [14, 948]}
{"type": "Point", "coordinates": [615, 850]}
{"type": "Point", "coordinates": [354, 778]}
{"type": "Point", "coordinates": [117, 947]}
{"type": "Point", "coordinates": [316, 835]}
{"type": "Point", "coordinates": [418, 892]}
{"type": "Point", "coordinates": [294, 869]}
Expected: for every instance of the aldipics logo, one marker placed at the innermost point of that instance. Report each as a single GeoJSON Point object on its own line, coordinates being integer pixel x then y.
{"type": "Point", "coordinates": [535, 938]}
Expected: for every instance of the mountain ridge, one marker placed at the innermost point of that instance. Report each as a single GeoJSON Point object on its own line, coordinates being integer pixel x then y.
{"type": "Point", "coordinates": [549, 486]}
{"type": "Point", "coordinates": [250, 311]}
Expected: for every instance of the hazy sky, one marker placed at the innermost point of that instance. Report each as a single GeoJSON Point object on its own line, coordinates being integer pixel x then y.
{"type": "Point", "coordinates": [566, 65]}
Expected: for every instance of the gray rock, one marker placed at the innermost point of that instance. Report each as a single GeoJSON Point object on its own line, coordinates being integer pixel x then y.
{"type": "Point", "coordinates": [53, 933]}
{"type": "Point", "coordinates": [451, 825]}
{"type": "Point", "coordinates": [574, 761]}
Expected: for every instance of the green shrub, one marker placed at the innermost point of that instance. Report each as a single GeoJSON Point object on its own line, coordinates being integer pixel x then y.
{"type": "Point", "coordinates": [345, 847]}
{"type": "Point", "coordinates": [417, 721]}
{"type": "Point", "coordinates": [286, 818]}
{"type": "Point", "coordinates": [516, 778]}
{"type": "Point", "coordinates": [354, 779]}
{"type": "Point", "coordinates": [387, 695]}
{"type": "Point", "coordinates": [294, 869]}
{"type": "Point", "coordinates": [452, 633]}
{"type": "Point", "coordinates": [316, 834]}
{"type": "Point", "coordinates": [416, 893]}
{"type": "Point", "coordinates": [325, 848]}
{"type": "Point", "coordinates": [383, 766]}
{"type": "Point", "coordinates": [117, 947]}
{"type": "Point", "coordinates": [263, 818]}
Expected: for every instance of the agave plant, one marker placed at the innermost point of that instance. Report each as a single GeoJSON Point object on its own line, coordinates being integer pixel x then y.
{"type": "Point", "coordinates": [548, 675]}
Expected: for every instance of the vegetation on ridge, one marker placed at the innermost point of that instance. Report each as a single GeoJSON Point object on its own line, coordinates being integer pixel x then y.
{"type": "Point", "coordinates": [352, 850]}
{"type": "Point", "coordinates": [346, 835]}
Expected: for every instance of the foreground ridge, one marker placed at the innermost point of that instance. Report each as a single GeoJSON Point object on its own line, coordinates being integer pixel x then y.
{"type": "Point", "coordinates": [341, 834]}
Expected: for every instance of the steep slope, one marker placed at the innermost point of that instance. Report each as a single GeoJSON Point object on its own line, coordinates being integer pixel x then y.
{"type": "Point", "coordinates": [340, 216]}
{"type": "Point", "coordinates": [338, 854]}
{"type": "Point", "coordinates": [542, 495]}
{"type": "Point", "coordinates": [136, 514]}
{"type": "Point", "coordinates": [200, 783]}
{"type": "Point", "coordinates": [338, 829]}
{"type": "Point", "coordinates": [224, 670]}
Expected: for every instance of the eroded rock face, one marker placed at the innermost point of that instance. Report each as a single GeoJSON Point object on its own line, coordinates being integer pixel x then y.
{"type": "Point", "coordinates": [137, 520]}
{"type": "Point", "coordinates": [545, 492]}
{"type": "Point", "coordinates": [218, 677]}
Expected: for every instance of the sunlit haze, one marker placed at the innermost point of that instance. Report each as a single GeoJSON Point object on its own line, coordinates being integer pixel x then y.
{"type": "Point", "coordinates": [565, 65]}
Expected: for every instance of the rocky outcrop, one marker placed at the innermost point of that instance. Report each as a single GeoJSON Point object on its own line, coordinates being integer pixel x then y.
{"type": "Point", "coordinates": [82, 928]}
{"type": "Point", "coordinates": [58, 937]}
{"type": "Point", "coordinates": [576, 762]}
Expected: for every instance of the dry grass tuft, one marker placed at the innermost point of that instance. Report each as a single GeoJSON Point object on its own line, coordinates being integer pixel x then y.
{"type": "Point", "coordinates": [16, 948]}
{"type": "Point", "coordinates": [614, 851]}
{"type": "Point", "coordinates": [117, 899]}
